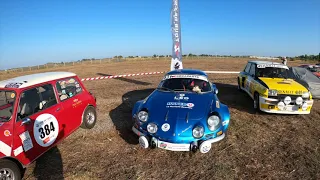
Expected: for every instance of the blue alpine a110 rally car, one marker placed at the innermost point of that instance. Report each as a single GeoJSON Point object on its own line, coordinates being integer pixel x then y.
{"type": "Point", "coordinates": [182, 114]}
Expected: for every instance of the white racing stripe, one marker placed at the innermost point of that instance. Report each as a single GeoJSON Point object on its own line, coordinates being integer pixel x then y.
{"type": "Point", "coordinates": [18, 151]}
{"type": "Point", "coordinates": [5, 149]}
{"type": "Point", "coordinates": [222, 72]}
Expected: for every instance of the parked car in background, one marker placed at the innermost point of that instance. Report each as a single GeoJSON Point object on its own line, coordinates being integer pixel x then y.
{"type": "Point", "coordinates": [315, 69]}
{"type": "Point", "coordinates": [182, 114]}
{"type": "Point", "coordinates": [36, 113]}
{"type": "Point", "coordinates": [271, 89]}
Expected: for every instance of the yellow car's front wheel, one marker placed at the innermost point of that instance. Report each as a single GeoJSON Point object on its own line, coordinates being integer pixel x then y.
{"type": "Point", "coordinates": [256, 102]}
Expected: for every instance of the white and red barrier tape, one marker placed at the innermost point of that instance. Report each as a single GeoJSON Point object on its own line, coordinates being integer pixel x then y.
{"type": "Point", "coordinates": [150, 73]}
{"type": "Point", "coordinates": [119, 76]}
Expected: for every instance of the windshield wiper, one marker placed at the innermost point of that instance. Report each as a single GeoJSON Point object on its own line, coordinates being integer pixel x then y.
{"type": "Point", "coordinates": [164, 88]}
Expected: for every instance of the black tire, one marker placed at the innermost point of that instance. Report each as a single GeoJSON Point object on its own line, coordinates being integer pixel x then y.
{"type": "Point", "coordinates": [256, 102]}
{"type": "Point", "coordinates": [89, 118]}
{"type": "Point", "coordinates": [239, 86]}
{"type": "Point", "coordinates": [8, 165]}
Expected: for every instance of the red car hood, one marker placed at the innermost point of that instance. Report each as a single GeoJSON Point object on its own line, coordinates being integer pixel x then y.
{"type": "Point", "coordinates": [317, 74]}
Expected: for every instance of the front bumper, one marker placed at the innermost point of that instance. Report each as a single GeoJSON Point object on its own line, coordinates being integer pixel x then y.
{"type": "Point", "coordinates": [203, 146]}
{"type": "Point", "coordinates": [269, 105]}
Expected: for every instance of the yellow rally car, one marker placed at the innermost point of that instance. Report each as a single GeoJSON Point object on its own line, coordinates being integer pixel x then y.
{"type": "Point", "coordinates": [267, 83]}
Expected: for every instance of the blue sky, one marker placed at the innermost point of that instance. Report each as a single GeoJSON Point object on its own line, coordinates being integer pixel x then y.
{"type": "Point", "coordinates": [35, 32]}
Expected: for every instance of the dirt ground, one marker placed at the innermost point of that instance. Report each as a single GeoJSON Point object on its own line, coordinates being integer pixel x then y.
{"type": "Point", "coordinates": [258, 145]}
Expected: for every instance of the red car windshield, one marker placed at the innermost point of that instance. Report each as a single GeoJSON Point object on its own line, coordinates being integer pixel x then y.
{"type": "Point", "coordinates": [7, 99]}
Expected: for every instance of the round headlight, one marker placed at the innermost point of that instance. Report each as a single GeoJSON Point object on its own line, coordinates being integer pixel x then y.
{"type": "Point", "coordinates": [299, 100]}
{"type": "Point", "coordinates": [213, 122]}
{"type": "Point", "coordinates": [152, 128]}
{"type": "Point", "coordinates": [287, 100]}
{"type": "Point", "coordinates": [281, 105]}
{"type": "Point", "coordinates": [143, 116]}
{"type": "Point", "coordinates": [198, 132]}
{"type": "Point", "coordinates": [306, 95]}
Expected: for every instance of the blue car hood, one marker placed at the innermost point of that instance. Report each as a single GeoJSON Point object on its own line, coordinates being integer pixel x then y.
{"type": "Point", "coordinates": [178, 106]}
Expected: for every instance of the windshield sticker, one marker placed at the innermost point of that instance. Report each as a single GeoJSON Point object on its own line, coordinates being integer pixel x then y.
{"type": "Point", "coordinates": [13, 85]}
{"type": "Point", "coordinates": [180, 105]}
{"type": "Point", "coordinates": [181, 97]}
{"type": "Point", "coordinates": [186, 76]}
{"type": "Point", "coordinates": [26, 140]}
{"type": "Point", "coordinates": [272, 65]}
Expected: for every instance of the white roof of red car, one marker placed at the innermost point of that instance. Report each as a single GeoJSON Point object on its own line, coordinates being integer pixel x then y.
{"type": "Point", "coordinates": [32, 79]}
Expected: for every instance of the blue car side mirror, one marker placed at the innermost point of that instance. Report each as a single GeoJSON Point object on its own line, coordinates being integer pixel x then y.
{"type": "Point", "coordinates": [215, 89]}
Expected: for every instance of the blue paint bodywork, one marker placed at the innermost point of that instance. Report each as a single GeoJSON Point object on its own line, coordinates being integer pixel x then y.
{"type": "Point", "coordinates": [181, 120]}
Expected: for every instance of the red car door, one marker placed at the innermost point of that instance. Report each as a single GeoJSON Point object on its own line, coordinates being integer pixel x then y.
{"type": "Point", "coordinates": [39, 123]}
{"type": "Point", "coordinates": [73, 100]}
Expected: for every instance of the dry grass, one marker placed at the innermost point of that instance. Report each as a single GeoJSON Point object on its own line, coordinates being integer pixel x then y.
{"type": "Point", "coordinates": [258, 146]}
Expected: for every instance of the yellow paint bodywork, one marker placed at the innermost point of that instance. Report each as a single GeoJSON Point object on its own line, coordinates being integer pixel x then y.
{"type": "Point", "coordinates": [284, 86]}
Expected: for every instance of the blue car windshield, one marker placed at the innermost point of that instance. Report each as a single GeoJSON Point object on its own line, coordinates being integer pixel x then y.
{"type": "Point", "coordinates": [185, 84]}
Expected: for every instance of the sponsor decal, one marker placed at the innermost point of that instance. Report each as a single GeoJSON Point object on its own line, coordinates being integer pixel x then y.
{"type": "Point", "coordinates": [176, 61]}
{"type": "Point", "coordinates": [76, 102]}
{"type": "Point", "coordinates": [298, 92]}
{"type": "Point", "coordinates": [181, 97]}
{"type": "Point", "coordinates": [165, 127]}
{"type": "Point", "coordinates": [217, 104]}
{"type": "Point", "coordinates": [7, 133]}
{"type": "Point", "coordinates": [5, 149]}
{"type": "Point", "coordinates": [46, 129]}
{"type": "Point", "coordinates": [180, 105]}
{"type": "Point", "coordinates": [13, 85]}
{"type": "Point", "coordinates": [18, 151]}
{"type": "Point", "coordinates": [26, 141]}
{"type": "Point", "coordinates": [191, 76]}
{"type": "Point", "coordinates": [272, 65]}
{"type": "Point", "coordinates": [163, 145]}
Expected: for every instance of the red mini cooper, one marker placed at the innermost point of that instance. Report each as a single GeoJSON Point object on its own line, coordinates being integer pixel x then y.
{"type": "Point", "coordinates": [38, 111]}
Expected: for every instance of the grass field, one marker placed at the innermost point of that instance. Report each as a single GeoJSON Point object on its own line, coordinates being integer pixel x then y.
{"type": "Point", "coordinates": [258, 145]}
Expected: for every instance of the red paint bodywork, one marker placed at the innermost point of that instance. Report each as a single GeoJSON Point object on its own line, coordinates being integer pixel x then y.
{"type": "Point", "coordinates": [68, 115]}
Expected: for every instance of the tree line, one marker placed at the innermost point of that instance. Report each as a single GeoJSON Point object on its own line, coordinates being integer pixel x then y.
{"type": "Point", "coordinates": [301, 57]}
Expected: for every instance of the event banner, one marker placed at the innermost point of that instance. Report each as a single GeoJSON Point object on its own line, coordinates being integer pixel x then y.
{"type": "Point", "coordinates": [176, 61]}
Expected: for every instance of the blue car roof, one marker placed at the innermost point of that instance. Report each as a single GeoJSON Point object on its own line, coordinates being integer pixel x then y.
{"type": "Point", "coordinates": [187, 71]}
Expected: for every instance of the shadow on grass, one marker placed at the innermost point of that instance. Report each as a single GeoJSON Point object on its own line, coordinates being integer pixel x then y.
{"type": "Point", "coordinates": [49, 166]}
{"type": "Point", "coordinates": [121, 115]}
{"type": "Point", "coordinates": [232, 97]}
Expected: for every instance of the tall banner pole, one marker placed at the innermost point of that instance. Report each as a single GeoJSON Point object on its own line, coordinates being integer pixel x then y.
{"type": "Point", "coordinates": [176, 61]}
